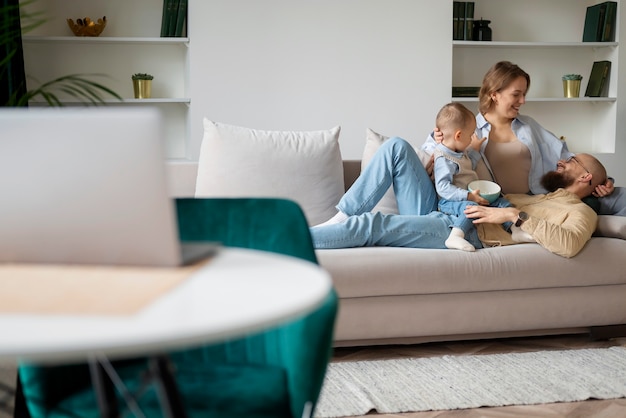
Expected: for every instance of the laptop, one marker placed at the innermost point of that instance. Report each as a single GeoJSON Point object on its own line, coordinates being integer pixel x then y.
{"type": "Point", "coordinates": [88, 186]}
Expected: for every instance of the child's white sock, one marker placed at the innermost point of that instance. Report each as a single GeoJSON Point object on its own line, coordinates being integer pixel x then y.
{"type": "Point", "coordinates": [521, 236]}
{"type": "Point", "coordinates": [456, 241]}
{"type": "Point", "coordinates": [338, 218]}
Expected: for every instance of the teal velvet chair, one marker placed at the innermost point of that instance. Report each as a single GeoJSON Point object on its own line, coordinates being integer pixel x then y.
{"type": "Point", "coordinates": [275, 373]}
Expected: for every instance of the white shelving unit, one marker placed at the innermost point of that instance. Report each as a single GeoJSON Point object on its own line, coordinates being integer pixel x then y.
{"type": "Point", "coordinates": [107, 40]}
{"type": "Point", "coordinates": [129, 44]}
{"type": "Point", "coordinates": [544, 38]}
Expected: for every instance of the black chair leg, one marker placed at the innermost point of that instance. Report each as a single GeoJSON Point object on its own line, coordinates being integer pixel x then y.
{"type": "Point", "coordinates": [105, 391]}
{"type": "Point", "coordinates": [20, 410]}
{"type": "Point", "coordinates": [171, 403]}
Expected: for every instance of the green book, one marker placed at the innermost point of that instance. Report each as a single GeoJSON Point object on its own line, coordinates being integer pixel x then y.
{"type": "Point", "coordinates": [462, 91]}
{"type": "Point", "coordinates": [458, 17]}
{"type": "Point", "coordinates": [608, 26]}
{"type": "Point", "coordinates": [469, 20]}
{"type": "Point", "coordinates": [181, 19]}
{"type": "Point", "coordinates": [598, 85]}
{"type": "Point", "coordinates": [165, 18]}
{"type": "Point", "coordinates": [172, 13]}
{"type": "Point", "coordinates": [593, 26]}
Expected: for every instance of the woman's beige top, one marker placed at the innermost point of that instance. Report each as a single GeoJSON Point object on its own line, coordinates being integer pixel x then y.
{"type": "Point", "coordinates": [510, 163]}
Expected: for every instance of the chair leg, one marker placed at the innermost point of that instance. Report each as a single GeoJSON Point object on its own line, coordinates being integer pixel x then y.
{"type": "Point", "coordinates": [20, 410]}
{"type": "Point", "coordinates": [105, 391]}
{"type": "Point", "coordinates": [171, 403]}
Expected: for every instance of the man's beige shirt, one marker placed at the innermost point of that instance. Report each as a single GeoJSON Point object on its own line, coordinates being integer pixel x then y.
{"type": "Point", "coordinates": [559, 221]}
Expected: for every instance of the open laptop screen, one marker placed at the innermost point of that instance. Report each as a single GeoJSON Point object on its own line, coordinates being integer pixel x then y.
{"type": "Point", "coordinates": [85, 186]}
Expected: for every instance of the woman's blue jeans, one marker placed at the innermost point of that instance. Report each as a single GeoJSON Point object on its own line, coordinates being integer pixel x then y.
{"type": "Point", "coordinates": [418, 225]}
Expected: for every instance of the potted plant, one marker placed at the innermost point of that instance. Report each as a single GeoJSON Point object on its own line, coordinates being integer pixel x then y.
{"type": "Point", "coordinates": [142, 85]}
{"type": "Point", "coordinates": [571, 85]}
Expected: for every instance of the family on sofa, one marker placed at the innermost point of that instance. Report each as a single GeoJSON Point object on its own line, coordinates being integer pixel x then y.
{"type": "Point", "coordinates": [559, 220]}
{"type": "Point", "coordinates": [400, 295]}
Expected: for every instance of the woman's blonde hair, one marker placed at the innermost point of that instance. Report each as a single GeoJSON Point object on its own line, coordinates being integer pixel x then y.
{"type": "Point", "coordinates": [498, 77]}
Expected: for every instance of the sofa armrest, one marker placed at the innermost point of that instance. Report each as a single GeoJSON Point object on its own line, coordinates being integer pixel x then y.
{"type": "Point", "coordinates": [611, 226]}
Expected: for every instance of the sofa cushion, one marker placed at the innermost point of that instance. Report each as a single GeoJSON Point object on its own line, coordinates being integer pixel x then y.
{"type": "Point", "coordinates": [392, 295]}
{"type": "Point", "coordinates": [241, 162]}
{"type": "Point", "coordinates": [359, 272]}
{"type": "Point", "coordinates": [373, 141]}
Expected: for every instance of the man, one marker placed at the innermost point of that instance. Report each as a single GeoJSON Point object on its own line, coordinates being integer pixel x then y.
{"type": "Point", "coordinates": [559, 221]}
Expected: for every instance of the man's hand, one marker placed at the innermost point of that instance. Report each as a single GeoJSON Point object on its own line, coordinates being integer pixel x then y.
{"type": "Point", "coordinates": [489, 215]}
{"type": "Point", "coordinates": [474, 196]}
{"type": "Point", "coordinates": [605, 189]}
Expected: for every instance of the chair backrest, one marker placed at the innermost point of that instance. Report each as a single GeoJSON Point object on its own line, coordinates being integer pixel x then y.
{"type": "Point", "coordinates": [302, 348]}
{"type": "Point", "coordinates": [275, 225]}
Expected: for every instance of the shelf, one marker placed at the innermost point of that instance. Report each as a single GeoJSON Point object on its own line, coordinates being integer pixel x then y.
{"type": "Point", "coordinates": [505, 44]}
{"type": "Point", "coordinates": [129, 44]}
{"type": "Point", "coordinates": [548, 99]}
{"type": "Point", "coordinates": [163, 100]}
{"type": "Point", "coordinates": [107, 40]}
{"type": "Point", "coordinates": [183, 100]}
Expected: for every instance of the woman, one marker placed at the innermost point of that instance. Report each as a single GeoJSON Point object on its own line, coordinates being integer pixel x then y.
{"type": "Point", "coordinates": [516, 149]}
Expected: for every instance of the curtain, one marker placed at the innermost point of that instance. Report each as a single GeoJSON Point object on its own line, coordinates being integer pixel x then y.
{"type": "Point", "coordinates": [12, 76]}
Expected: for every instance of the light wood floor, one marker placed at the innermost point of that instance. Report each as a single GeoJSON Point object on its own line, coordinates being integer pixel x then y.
{"type": "Point", "coordinates": [614, 408]}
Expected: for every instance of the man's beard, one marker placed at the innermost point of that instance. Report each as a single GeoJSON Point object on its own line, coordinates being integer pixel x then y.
{"type": "Point", "coordinates": [554, 180]}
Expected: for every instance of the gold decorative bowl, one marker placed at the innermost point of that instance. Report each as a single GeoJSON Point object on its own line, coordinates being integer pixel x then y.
{"type": "Point", "coordinates": [87, 27]}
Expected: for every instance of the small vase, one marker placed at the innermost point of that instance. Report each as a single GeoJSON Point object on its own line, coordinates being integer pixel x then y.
{"type": "Point", "coordinates": [571, 88]}
{"type": "Point", "coordinates": [142, 89]}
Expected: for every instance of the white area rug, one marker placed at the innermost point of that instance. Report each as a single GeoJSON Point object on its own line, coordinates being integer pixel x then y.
{"type": "Point", "coordinates": [460, 382]}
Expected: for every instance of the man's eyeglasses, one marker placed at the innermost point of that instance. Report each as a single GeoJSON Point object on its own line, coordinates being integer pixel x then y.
{"type": "Point", "coordinates": [572, 158]}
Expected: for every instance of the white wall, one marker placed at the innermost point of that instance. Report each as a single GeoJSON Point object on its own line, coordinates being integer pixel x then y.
{"type": "Point", "coordinates": [296, 64]}
{"type": "Point", "coordinates": [309, 65]}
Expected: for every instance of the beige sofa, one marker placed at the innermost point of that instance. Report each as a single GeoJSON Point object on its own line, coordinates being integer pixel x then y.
{"type": "Point", "coordinates": [404, 295]}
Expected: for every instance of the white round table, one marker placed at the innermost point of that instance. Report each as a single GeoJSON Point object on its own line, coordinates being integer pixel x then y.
{"type": "Point", "coordinates": [234, 293]}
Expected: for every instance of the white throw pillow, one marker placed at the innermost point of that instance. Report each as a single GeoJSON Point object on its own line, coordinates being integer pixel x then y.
{"type": "Point", "coordinates": [303, 166]}
{"type": "Point", "coordinates": [374, 140]}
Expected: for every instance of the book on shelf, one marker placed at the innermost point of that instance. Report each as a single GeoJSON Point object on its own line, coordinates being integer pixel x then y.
{"type": "Point", "coordinates": [598, 85]}
{"type": "Point", "coordinates": [167, 25]}
{"type": "Point", "coordinates": [462, 91]}
{"type": "Point", "coordinates": [600, 22]}
{"type": "Point", "coordinates": [462, 20]}
{"type": "Point", "coordinates": [469, 20]}
{"type": "Point", "coordinates": [174, 19]}
{"type": "Point", "coordinates": [608, 33]}
{"type": "Point", "coordinates": [181, 19]}
{"type": "Point", "coordinates": [165, 18]}
{"type": "Point", "coordinates": [173, 16]}
{"type": "Point", "coordinates": [458, 17]}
